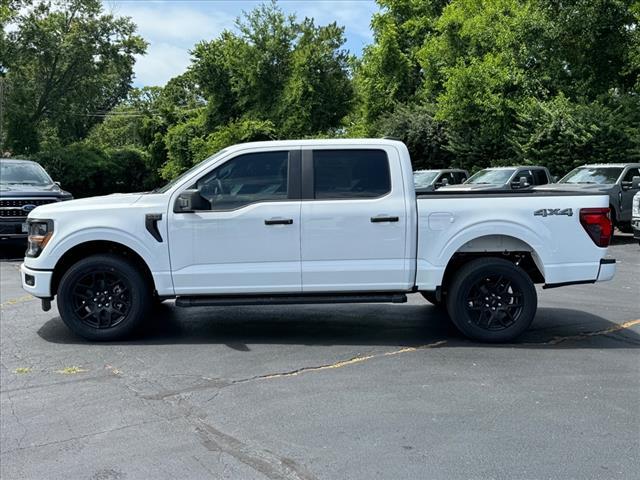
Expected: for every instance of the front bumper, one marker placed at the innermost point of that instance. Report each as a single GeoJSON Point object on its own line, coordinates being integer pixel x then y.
{"type": "Point", "coordinates": [36, 282]}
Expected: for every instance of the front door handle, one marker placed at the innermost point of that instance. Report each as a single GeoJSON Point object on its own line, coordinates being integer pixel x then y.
{"type": "Point", "coordinates": [279, 221]}
{"type": "Point", "coordinates": [384, 218]}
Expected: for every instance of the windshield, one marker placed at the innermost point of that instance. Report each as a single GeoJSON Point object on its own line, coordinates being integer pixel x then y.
{"type": "Point", "coordinates": [491, 177]}
{"type": "Point", "coordinates": [424, 179]}
{"type": "Point", "coordinates": [593, 175]}
{"type": "Point", "coordinates": [176, 180]}
{"type": "Point", "coordinates": [23, 173]}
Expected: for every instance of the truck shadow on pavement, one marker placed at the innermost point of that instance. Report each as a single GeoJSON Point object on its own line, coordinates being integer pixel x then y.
{"type": "Point", "coordinates": [374, 325]}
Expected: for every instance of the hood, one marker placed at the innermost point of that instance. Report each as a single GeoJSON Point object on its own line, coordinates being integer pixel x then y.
{"type": "Point", "coordinates": [19, 190]}
{"type": "Point", "coordinates": [575, 187]}
{"type": "Point", "coordinates": [117, 200]}
{"type": "Point", "coordinates": [467, 187]}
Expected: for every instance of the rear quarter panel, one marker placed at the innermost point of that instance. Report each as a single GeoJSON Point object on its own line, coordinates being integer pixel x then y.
{"type": "Point", "coordinates": [560, 246]}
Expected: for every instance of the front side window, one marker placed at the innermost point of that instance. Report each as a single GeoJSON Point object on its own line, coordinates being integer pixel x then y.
{"type": "Point", "coordinates": [633, 172]}
{"type": "Point", "coordinates": [342, 174]}
{"type": "Point", "coordinates": [246, 179]}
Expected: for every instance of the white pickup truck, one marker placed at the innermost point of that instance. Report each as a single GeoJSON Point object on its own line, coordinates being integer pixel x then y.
{"type": "Point", "coordinates": [313, 221]}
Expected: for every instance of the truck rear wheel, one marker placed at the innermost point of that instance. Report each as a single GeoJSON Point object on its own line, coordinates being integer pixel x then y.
{"type": "Point", "coordinates": [492, 300]}
{"type": "Point", "coordinates": [103, 297]}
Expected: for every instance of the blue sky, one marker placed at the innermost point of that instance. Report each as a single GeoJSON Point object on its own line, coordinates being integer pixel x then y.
{"type": "Point", "coordinates": [172, 27]}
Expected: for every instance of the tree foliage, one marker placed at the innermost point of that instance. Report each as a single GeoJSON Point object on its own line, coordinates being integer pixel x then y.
{"type": "Point", "coordinates": [63, 64]}
{"type": "Point", "coordinates": [467, 83]}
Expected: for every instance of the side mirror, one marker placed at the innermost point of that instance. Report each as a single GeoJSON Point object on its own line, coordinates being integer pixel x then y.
{"type": "Point", "coordinates": [635, 183]}
{"type": "Point", "coordinates": [57, 183]}
{"type": "Point", "coordinates": [523, 182]}
{"type": "Point", "coordinates": [190, 201]}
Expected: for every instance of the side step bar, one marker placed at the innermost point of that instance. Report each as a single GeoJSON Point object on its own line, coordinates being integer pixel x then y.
{"type": "Point", "coordinates": [302, 299]}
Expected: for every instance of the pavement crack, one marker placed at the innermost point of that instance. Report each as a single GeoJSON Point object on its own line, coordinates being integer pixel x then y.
{"type": "Point", "coordinates": [341, 363]}
{"type": "Point", "coordinates": [267, 463]}
{"type": "Point", "coordinates": [583, 336]}
{"type": "Point", "coordinates": [88, 435]}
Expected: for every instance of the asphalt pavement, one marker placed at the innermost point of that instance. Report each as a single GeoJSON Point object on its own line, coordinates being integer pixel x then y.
{"type": "Point", "coordinates": [326, 392]}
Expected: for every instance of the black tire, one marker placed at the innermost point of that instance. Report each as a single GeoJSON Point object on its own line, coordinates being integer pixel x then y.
{"type": "Point", "coordinates": [507, 295]}
{"type": "Point", "coordinates": [431, 298]}
{"type": "Point", "coordinates": [104, 297]}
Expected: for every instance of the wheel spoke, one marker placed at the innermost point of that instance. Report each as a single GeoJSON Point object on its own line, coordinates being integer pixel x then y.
{"type": "Point", "coordinates": [101, 299]}
{"type": "Point", "coordinates": [494, 302]}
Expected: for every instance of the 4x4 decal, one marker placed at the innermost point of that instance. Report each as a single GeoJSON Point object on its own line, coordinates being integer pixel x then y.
{"type": "Point", "coordinates": [546, 212]}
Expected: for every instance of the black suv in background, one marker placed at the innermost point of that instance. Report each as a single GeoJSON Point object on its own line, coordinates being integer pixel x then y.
{"type": "Point", "coordinates": [24, 185]}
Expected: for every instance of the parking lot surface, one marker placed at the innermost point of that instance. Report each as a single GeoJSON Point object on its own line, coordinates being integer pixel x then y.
{"type": "Point", "coordinates": [326, 392]}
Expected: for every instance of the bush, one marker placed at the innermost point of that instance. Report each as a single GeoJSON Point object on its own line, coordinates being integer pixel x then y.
{"type": "Point", "coordinates": [87, 171]}
{"type": "Point", "coordinates": [424, 136]}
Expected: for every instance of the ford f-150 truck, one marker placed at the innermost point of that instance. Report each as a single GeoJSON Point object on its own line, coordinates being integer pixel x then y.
{"type": "Point", "coordinates": [313, 221]}
{"type": "Point", "coordinates": [23, 186]}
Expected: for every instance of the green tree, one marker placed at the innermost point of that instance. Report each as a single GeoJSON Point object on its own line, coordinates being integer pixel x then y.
{"type": "Point", "coordinates": [293, 74]}
{"type": "Point", "coordinates": [64, 63]}
{"type": "Point", "coordinates": [390, 72]}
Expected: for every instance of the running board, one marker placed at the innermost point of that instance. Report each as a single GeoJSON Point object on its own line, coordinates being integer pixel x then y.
{"type": "Point", "coordinates": [302, 299]}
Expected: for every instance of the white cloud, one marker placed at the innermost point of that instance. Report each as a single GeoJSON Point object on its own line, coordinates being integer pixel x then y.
{"type": "Point", "coordinates": [173, 27]}
{"type": "Point", "coordinates": [162, 62]}
{"type": "Point", "coordinates": [174, 21]}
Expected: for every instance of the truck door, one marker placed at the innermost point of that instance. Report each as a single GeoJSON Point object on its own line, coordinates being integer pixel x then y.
{"type": "Point", "coordinates": [627, 193]}
{"type": "Point", "coordinates": [248, 241]}
{"type": "Point", "coordinates": [354, 223]}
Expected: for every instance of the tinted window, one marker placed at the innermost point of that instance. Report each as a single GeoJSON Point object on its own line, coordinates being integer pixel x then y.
{"type": "Point", "coordinates": [449, 177]}
{"type": "Point", "coordinates": [251, 178]}
{"type": "Point", "coordinates": [460, 177]}
{"type": "Point", "coordinates": [540, 177]}
{"type": "Point", "coordinates": [633, 172]}
{"type": "Point", "coordinates": [350, 174]}
{"type": "Point", "coordinates": [526, 174]}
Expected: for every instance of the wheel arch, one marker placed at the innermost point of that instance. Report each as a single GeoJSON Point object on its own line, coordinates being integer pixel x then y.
{"type": "Point", "coordinates": [93, 247]}
{"type": "Point", "coordinates": [508, 247]}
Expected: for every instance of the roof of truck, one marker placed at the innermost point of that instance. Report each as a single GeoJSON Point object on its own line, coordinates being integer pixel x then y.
{"type": "Point", "coordinates": [615, 165]}
{"type": "Point", "coordinates": [317, 141]}
{"type": "Point", "coordinates": [514, 166]}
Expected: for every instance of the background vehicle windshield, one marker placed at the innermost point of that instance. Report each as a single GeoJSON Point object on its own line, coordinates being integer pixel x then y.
{"type": "Point", "coordinates": [424, 179]}
{"type": "Point", "coordinates": [23, 173]}
{"type": "Point", "coordinates": [594, 175]}
{"type": "Point", "coordinates": [491, 177]}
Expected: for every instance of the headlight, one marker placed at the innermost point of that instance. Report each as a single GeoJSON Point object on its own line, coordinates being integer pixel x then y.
{"type": "Point", "coordinates": [636, 206]}
{"type": "Point", "coordinates": [40, 232]}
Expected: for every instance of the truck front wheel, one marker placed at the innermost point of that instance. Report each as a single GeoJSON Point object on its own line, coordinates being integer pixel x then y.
{"type": "Point", "coordinates": [103, 297]}
{"type": "Point", "coordinates": [492, 300]}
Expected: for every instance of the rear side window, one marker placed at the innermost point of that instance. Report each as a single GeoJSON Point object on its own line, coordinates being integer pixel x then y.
{"type": "Point", "coordinates": [540, 177]}
{"type": "Point", "coordinates": [340, 174]}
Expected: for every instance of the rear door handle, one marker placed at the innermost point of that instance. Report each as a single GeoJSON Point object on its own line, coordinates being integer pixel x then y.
{"type": "Point", "coordinates": [383, 218]}
{"type": "Point", "coordinates": [279, 221]}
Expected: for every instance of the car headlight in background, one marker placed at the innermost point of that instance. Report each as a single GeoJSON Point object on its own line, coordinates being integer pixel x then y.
{"type": "Point", "coordinates": [40, 232]}
{"type": "Point", "coordinates": [636, 206]}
